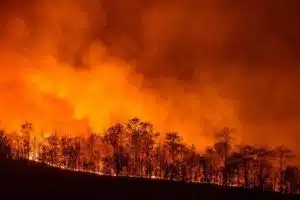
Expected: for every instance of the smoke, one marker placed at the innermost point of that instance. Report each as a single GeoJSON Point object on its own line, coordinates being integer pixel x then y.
{"type": "Point", "coordinates": [190, 66]}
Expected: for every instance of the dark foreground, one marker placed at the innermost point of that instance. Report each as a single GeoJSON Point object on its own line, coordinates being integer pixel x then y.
{"type": "Point", "coordinates": [27, 180]}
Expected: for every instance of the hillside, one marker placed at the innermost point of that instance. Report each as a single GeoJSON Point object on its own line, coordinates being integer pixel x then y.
{"type": "Point", "coordinates": [29, 180]}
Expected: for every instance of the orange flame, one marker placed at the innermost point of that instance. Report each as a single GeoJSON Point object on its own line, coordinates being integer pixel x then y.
{"type": "Point", "coordinates": [42, 81]}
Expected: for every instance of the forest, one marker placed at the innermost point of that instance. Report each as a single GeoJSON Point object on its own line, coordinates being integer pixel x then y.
{"type": "Point", "coordinates": [136, 149]}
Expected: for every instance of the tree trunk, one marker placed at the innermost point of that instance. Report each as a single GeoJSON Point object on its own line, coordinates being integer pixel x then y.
{"type": "Point", "coordinates": [281, 175]}
{"type": "Point", "coordinates": [246, 174]}
{"type": "Point", "coordinates": [238, 177]}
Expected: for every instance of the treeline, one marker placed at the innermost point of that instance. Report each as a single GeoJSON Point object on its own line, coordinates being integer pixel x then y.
{"type": "Point", "coordinates": [136, 149]}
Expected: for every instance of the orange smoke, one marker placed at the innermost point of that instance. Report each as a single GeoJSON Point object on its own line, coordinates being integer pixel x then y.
{"type": "Point", "coordinates": [75, 66]}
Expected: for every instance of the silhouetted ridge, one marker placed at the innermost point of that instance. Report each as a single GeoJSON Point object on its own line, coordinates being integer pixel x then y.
{"type": "Point", "coordinates": [31, 180]}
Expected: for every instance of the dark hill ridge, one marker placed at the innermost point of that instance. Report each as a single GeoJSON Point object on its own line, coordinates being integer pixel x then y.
{"type": "Point", "coordinates": [29, 180]}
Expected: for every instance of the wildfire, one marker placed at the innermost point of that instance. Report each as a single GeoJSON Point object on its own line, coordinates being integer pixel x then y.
{"type": "Point", "coordinates": [40, 84]}
{"type": "Point", "coordinates": [68, 69]}
{"type": "Point", "coordinates": [72, 73]}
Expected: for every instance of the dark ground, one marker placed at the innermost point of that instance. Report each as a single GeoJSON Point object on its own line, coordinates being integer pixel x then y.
{"type": "Point", "coordinates": [27, 180]}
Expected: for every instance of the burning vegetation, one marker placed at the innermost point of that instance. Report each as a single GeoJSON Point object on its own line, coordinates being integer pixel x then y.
{"type": "Point", "coordinates": [77, 69]}
{"type": "Point", "coordinates": [136, 149]}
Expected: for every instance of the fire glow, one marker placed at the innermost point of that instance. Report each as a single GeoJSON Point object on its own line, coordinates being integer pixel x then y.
{"type": "Point", "coordinates": [77, 67]}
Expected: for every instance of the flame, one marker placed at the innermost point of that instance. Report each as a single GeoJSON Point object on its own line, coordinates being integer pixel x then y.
{"type": "Point", "coordinates": [72, 67]}
{"type": "Point", "coordinates": [58, 96]}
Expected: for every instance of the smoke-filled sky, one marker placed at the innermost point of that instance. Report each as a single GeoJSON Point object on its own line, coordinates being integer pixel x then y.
{"type": "Point", "coordinates": [192, 66]}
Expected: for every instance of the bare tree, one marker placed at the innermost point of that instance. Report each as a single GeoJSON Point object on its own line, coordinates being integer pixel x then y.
{"type": "Point", "coordinates": [5, 146]}
{"type": "Point", "coordinates": [53, 149]}
{"type": "Point", "coordinates": [235, 163]}
{"type": "Point", "coordinates": [133, 149]}
{"type": "Point", "coordinates": [141, 142]}
{"type": "Point", "coordinates": [207, 162]}
{"type": "Point", "coordinates": [247, 152]}
{"type": "Point", "coordinates": [192, 158]}
{"type": "Point", "coordinates": [223, 147]}
{"type": "Point", "coordinates": [263, 165]}
{"type": "Point", "coordinates": [148, 139]}
{"type": "Point", "coordinates": [173, 145]}
{"type": "Point", "coordinates": [160, 161]}
{"type": "Point", "coordinates": [282, 154]}
{"type": "Point", "coordinates": [70, 151]}
{"type": "Point", "coordinates": [92, 153]}
{"type": "Point", "coordinates": [26, 130]}
{"type": "Point", "coordinates": [113, 137]}
{"type": "Point", "coordinates": [291, 177]}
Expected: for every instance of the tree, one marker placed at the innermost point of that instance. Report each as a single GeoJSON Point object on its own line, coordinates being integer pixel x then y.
{"type": "Point", "coordinates": [134, 129]}
{"type": "Point", "coordinates": [92, 153]}
{"type": "Point", "coordinates": [181, 163]}
{"type": "Point", "coordinates": [17, 147]}
{"type": "Point", "coordinates": [34, 148]}
{"type": "Point", "coordinates": [107, 165]}
{"type": "Point", "coordinates": [142, 138]}
{"type": "Point", "coordinates": [207, 162]}
{"type": "Point", "coordinates": [223, 147]}
{"type": "Point", "coordinates": [160, 161]}
{"type": "Point", "coordinates": [43, 154]}
{"type": "Point", "coordinates": [133, 149]}
{"type": "Point", "coordinates": [53, 149]}
{"type": "Point", "coordinates": [70, 151]}
{"type": "Point", "coordinates": [26, 130]}
{"type": "Point", "coordinates": [247, 153]}
{"type": "Point", "coordinates": [114, 137]}
{"type": "Point", "coordinates": [192, 158]}
{"type": "Point", "coordinates": [5, 146]}
{"type": "Point", "coordinates": [147, 139]}
{"type": "Point", "coordinates": [263, 165]}
{"type": "Point", "coordinates": [75, 151]}
{"type": "Point", "coordinates": [291, 176]}
{"type": "Point", "coordinates": [121, 160]}
{"type": "Point", "coordinates": [234, 164]}
{"type": "Point", "coordinates": [173, 145]}
{"type": "Point", "coordinates": [282, 154]}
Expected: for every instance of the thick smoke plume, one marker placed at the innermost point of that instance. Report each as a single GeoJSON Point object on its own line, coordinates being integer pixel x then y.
{"type": "Point", "coordinates": [190, 66]}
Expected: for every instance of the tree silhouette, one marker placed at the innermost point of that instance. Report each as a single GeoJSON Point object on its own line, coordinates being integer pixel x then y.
{"type": "Point", "coordinates": [70, 151]}
{"type": "Point", "coordinates": [283, 154]}
{"type": "Point", "coordinates": [5, 146]}
{"type": "Point", "coordinates": [234, 164]}
{"type": "Point", "coordinates": [192, 160]}
{"type": "Point", "coordinates": [114, 137]}
{"type": "Point", "coordinates": [173, 146]}
{"type": "Point", "coordinates": [262, 165]}
{"type": "Point", "coordinates": [291, 177]}
{"type": "Point", "coordinates": [223, 147]}
{"type": "Point", "coordinates": [53, 149]}
{"type": "Point", "coordinates": [26, 130]}
{"type": "Point", "coordinates": [247, 153]}
{"type": "Point", "coordinates": [160, 161]}
{"type": "Point", "coordinates": [121, 160]}
{"type": "Point", "coordinates": [141, 144]}
{"type": "Point", "coordinates": [207, 162]}
{"type": "Point", "coordinates": [135, 149]}
{"type": "Point", "coordinates": [93, 154]}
